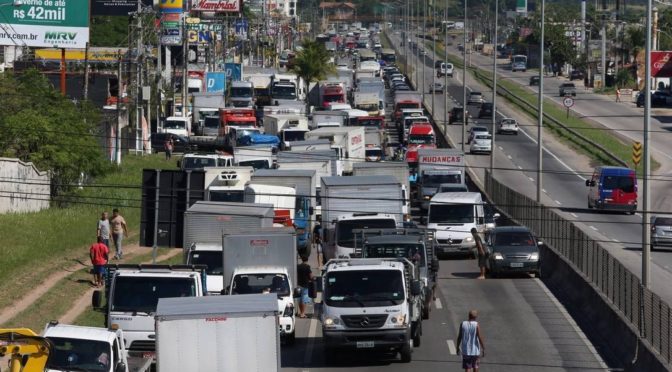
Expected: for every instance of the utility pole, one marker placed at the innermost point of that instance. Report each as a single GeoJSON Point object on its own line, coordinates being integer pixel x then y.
{"type": "Point", "coordinates": [119, 100]}
{"type": "Point", "coordinates": [540, 119]}
{"type": "Point", "coordinates": [494, 91]}
{"type": "Point", "coordinates": [138, 81]}
{"type": "Point", "coordinates": [464, 77]}
{"type": "Point", "coordinates": [434, 59]}
{"type": "Point", "coordinates": [445, 76]}
{"type": "Point", "coordinates": [86, 72]}
{"type": "Point", "coordinates": [424, 54]}
{"type": "Point", "coordinates": [646, 200]}
{"type": "Point", "coordinates": [185, 60]}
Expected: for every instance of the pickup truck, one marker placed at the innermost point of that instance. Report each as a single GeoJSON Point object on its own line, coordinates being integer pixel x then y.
{"type": "Point", "coordinates": [567, 89]}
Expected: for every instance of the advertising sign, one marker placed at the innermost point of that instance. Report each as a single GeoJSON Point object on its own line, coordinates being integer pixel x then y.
{"type": "Point", "coordinates": [116, 7]}
{"type": "Point", "coordinates": [221, 6]}
{"type": "Point", "coordinates": [200, 37]}
{"type": "Point", "coordinates": [171, 29]}
{"type": "Point", "coordinates": [96, 55]}
{"type": "Point", "coordinates": [52, 23]}
{"type": "Point", "coordinates": [521, 6]}
{"type": "Point", "coordinates": [661, 64]}
{"type": "Point", "coordinates": [170, 6]}
{"type": "Point", "coordinates": [234, 71]}
{"type": "Point", "coordinates": [215, 82]}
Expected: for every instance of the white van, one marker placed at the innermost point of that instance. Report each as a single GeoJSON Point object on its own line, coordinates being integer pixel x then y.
{"type": "Point", "coordinates": [452, 215]}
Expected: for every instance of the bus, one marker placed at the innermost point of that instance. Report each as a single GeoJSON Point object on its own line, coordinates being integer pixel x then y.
{"type": "Point", "coordinates": [518, 63]}
{"type": "Point", "coordinates": [388, 56]}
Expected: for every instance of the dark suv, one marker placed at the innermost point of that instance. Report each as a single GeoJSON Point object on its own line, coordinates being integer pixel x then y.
{"type": "Point", "coordinates": [456, 115]}
{"type": "Point", "coordinates": [512, 249]}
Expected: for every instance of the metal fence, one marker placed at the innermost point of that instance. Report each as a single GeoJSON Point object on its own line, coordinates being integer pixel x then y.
{"type": "Point", "coordinates": [645, 311]}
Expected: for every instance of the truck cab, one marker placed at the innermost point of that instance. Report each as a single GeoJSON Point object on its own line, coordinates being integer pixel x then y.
{"type": "Point", "coordinates": [371, 304]}
{"type": "Point", "coordinates": [241, 94]}
{"type": "Point", "coordinates": [283, 199]}
{"type": "Point", "coordinates": [179, 125]}
{"type": "Point", "coordinates": [452, 215]}
{"type": "Point", "coordinates": [204, 161]}
{"type": "Point", "coordinates": [345, 241]}
{"type": "Point", "coordinates": [226, 184]}
{"type": "Point", "coordinates": [421, 134]}
{"type": "Point", "coordinates": [238, 117]}
{"type": "Point", "coordinates": [210, 255]}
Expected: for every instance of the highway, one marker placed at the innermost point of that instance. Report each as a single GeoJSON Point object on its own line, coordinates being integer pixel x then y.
{"type": "Point", "coordinates": [564, 171]}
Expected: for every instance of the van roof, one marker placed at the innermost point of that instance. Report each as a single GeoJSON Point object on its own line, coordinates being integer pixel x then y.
{"type": "Point", "coordinates": [614, 171]}
{"type": "Point", "coordinates": [457, 198]}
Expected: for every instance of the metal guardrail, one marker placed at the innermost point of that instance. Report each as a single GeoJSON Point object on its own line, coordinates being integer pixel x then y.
{"type": "Point", "coordinates": [646, 312]}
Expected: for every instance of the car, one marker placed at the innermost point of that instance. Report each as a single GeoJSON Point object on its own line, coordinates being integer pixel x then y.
{"type": "Point", "coordinates": [512, 249]}
{"type": "Point", "coordinates": [445, 69]}
{"type": "Point", "coordinates": [567, 89]}
{"type": "Point", "coordinates": [507, 125]}
{"type": "Point", "coordinates": [486, 110]}
{"type": "Point", "coordinates": [404, 87]}
{"type": "Point", "coordinates": [661, 231]}
{"type": "Point", "coordinates": [436, 87]}
{"type": "Point", "coordinates": [423, 52]}
{"type": "Point", "coordinates": [658, 99]}
{"type": "Point", "coordinates": [475, 98]}
{"type": "Point", "coordinates": [576, 75]}
{"type": "Point", "coordinates": [481, 143]}
{"type": "Point", "coordinates": [476, 129]}
{"type": "Point", "coordinates": [180, 143]}
{"type": "Point", "coordinates": [534, 80]}
{"type": "Point", "coordinates": [456, 115]}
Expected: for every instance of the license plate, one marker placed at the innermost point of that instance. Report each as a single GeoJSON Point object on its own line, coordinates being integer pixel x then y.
{"type": "Point", "coordinates": [516, 264]}
{"type": "Point", "coordinates": [364, 344]}
{"type": "Point", "coordinates": [148, 355]}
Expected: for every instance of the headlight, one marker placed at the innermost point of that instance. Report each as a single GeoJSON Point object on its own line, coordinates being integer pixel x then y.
{"type": "Point", "coordinates": [469, 239]}
{"type": "Point", "coordinates": [498, 256]}
{"type": "Point", "coordinates": [534, 257]}
{"type": "Point", "coordinates": [330, 322]}
{"type": "Point", "coordinates": [427, 197]}
{"type": "Point", "coordinates": [398, 319]}
{"type": "Point", "coordinates": [289, 310]}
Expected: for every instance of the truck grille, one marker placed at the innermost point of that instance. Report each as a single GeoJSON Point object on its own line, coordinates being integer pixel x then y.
{"type": "Point", "coordinates": [449, 241]}
{"type": "Point", "coordinates": [142, 345]}
{"type": "Point", "coordinates": [364, 321]}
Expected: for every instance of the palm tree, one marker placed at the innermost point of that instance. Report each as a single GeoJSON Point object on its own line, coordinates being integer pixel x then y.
{"type": "Point", "coordinates": [634, 40]}
{"type": "Point", "coordinates": [312, 62]}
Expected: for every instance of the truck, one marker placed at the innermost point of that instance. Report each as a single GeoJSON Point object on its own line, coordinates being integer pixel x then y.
{"type": "Point", "coordinates": [257, 157]}
{"type": "Point", "coordinates": [226, 184]}
{"type": "Point", "coordinates": [283, 199]}
{"type": "Point", "coordinates": [218, 334]}
{"type": "Point", "coordinates": [264, 261]}
{"type": "Point", "coordinates": [331, 92]}
{"type": "Point", "coordinates": [397, 169]}
{"type": "Point", "coordinates": [371, 304]}
{"type": "Point", "coordinates": [354, 203]}
{"type": "Point", "coordinates": [205, 104]}
{"type": "Point", "coordinates": [369, 102]}
{"type": "Point", "coordinates": [349, 141]}
{"type": "Point", "coordinates": [421, 133]}
{"type": "Point", "coordinates": [310, 145]}
{"type": "Point", "coordinates": [304, 180]}
{"type": "Point", "coordinates": [241, 94]}
{"type": "Point", "coordinates": [77, 348]}
{"type": "Point", "coordinates": [132, 293]}
{"type": "Point", "coordinates": [375, 140]}
{"type": "Point", "coordinates": [261, 81]}
{"type": "Point", "coordinates": [323, 119]}
{"type": "Point", "coordinates": [435, 167]}
{"type": "Point", "coordinates": [177, 125]}
{"type": "Point", "coordinates": [287, 87]}
{"type": "Point", "coordinates": [452, 215]}
{"type": "Point", "coordinates": [406, 100]}
{"type": "Point", "coordinates": [288, 128]}
{"type": "Point", "coordinates": [193, 161]}
{"type": "Point", "coordinates": [236, 117]}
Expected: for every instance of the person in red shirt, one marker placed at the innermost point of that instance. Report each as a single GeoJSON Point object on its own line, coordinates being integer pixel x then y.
{"type": "Point", "coordinates": [98, 253]}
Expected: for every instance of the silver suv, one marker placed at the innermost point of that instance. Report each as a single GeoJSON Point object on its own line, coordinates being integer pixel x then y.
{"type": "Point", "coordinates": [661, 231]}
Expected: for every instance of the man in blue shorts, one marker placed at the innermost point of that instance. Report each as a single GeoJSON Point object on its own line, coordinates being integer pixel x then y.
{"type": "Point", "coordinates": [305, 279]}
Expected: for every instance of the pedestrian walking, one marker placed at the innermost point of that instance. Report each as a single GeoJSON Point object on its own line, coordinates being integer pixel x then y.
{"type": "Point", "coordinates": [305, 279]}
{"type": "Point", "coordinates": [168, 147]}
{"type": "Point", "coordinates": [99, 253]}
{"type": "Point", "coordinates": [119, 231]}
{"type": "Point", "coordinates": [618, 94]}
{"type": "Point", "coordinates": [470, 343]}
{"type": "Point", "coordinates": [481, 252]}
{"type": "Point", "coordinates": [103, 229]}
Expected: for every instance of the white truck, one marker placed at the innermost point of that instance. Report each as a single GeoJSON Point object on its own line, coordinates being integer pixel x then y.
{"type": "Point", "coordinates": [371, 304]}
{"type": "Point", "coordinates": [436, 167]}
{"type": "Point", "coordinates": [375, 144]}
{"type": "Point", "coordinates": [241, 94]}
{"type": "Point", "coordinates": [204, 161]}
{"type": "Point", "coordinates": [283, 199]}
{"type": "Point", "coordinates": [357, 202]}
{"type": "Point", "coordinates": [321, 119]}
{"type": "Point", "coordinates": [287, 87]}
{"type": "Point", "coordinates": [205, 104]}
{"type": "Point", "coordinates": [257, 157]}
{"type": "Point", "coordinates": [264, 261]}
{"type": "Point", "coordinates": [261, 81]}
{"type": "Point", "coordinates": [348, 140]}
{"type": "Point", "coordinates": [218, 334]}
{"type": "Point", "coordinates": [178, 125]}
{"type": "Point", "coordinates": [288, 127]}
{"type": "Point", "coordinates": [77, 348]}
{"type": "Point", "coordinates": [452, 215]}
{"type": "Point", "coordinates": [369, 102]}
{"type": "Point", "coordinates": [311, 145]}
{"type": "Point", "coordinates": [397, 169]}
{"type": "Point", "coordinates": [226, 184]}
{"type": "Point", "coordinates": [132, 292]}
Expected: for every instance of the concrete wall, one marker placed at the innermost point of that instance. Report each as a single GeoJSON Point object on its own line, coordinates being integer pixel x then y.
{"type": "Point", "coordinates": [23, 188]}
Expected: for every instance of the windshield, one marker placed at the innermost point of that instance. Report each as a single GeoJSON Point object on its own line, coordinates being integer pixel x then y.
{"type": "Point", "coordinates": [483, 137]}
{"type": "Point", "coordinates": [71, 354]}
{"type": "Point", "coordinates": [509, 122]}
{"type": "Point", "coordinates": [368, 107]}
{"type": "Point", "coordinates": [174, 124]}
{"type": "Point", "coordinates": [418, 139]}
{"type": "Point", "coordinates": [364, 288]}
{"type": "Point", "coordinates": [333, 98]}
{"type": "Point", "coordinates": [212, 259]}
{"type": "Point", "coordinates": [378, 123]}
{"type": "Point", "coordinates": [345, 237]}
{"type": "Point", "coordinates": [211, 122]}
{"type": "Point", "coordinates": [513, 239]}
{"type": "Point", "coordinates": [142, 293]}
{"type": "Point", "coordinates": [374, 153]}
{"type": "Point", "coordinates": [284, 92]}
{"type": "Point", "coordinates": [434, 180]}
{"type": "Point", "coordinates": [241, 92]}
{"type": "Point", "coordinates": [451, 213]}
{"type": "Point", "coordinates": [240, 133]}
{"type": "Point", "coordinates": [197, 163]}
{"type": "Point", "coordinates": [256, 164]}
{"type": "Point", "coordinates": [453, 188]}
{"type": "Point", "coordinates": [227, 196]}
{"type": "Point", "coordinates": [260, 283]}
{"type": "Point", "coordinates": [234, 123]}
{"type": "Point", "coordinates": [625, 183]}
{"type": "Point", "coordinates": [413, 252]}
{"type": "Point", "coordinates": [294, 135]}
{"type": "Point", "coordinates": [407, 105]}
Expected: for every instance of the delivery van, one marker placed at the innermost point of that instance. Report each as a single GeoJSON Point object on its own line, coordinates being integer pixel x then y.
{"type": "Point", "coordinates": [613, 188]}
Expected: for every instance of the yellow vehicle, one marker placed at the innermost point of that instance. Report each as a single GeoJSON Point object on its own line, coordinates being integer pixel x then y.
{"type": "Point", "coordinates": [27, 351]}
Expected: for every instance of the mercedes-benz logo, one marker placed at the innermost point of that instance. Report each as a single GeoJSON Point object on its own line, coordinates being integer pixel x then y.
{"type": "Point", "coordinates": [364, 322]}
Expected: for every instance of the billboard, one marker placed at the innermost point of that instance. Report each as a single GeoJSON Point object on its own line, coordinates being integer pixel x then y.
{"type": "Point", "coordinates": [200, 37]}
{"type": "Point", "coordinates": [170, 6]}
{"type": "Point", "coordinates": [171, 29]}
{"type": "Point", "coordinates": [234, 71]}
{"type": "Point", "coordinates": [116, 7]}
{"type": "Point", "coordinates": [215, 82]}
{"type": "Point", "coordinates": [96, 55]}
{"type": "Point", "coordinates": [221, 6]}
{"type": "Point", "coordinates": [55, 23]}
{"type": "Point", "coordinates": [521, 6]}
{"type": "Point", "coordinates": [661, 64]}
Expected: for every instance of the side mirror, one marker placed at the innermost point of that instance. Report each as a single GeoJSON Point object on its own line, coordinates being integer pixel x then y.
{"type": "Point", "coordinates": [97, 299]}
{"type": "Point", "coordinates": [120, 367]}
{"type": "Point", "coordinates": [416, 288]}
{"type": "Point", "coordinates": [588, 183]}
{"type": "Point", "coordinates": [540, 243]}
{"type": "Point", "coordinates": [297, 292]}
{"type": "Point", "coordinates": [496, 215]}
{"type": "Point", "coordinates": [481, 220]}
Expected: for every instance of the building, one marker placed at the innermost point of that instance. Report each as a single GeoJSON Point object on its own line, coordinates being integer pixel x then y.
{"type": "Point", "coordinates": [285, 8]}
{"type": "Point", "coordinates": [333, 11]}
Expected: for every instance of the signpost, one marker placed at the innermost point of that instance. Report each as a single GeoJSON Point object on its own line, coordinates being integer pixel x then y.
{"type": "Point", "coordinates": [636, 153]}
{"type": "Point", "coordinates": [568, 102]}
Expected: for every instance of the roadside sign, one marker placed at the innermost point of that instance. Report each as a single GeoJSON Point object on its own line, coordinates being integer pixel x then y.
{"type": "Point", "coordinates": [568, 102]}
{"type": "Point", "coordinates": [215, 82]}
{"type": "Point", "coordinates": [636, 152]}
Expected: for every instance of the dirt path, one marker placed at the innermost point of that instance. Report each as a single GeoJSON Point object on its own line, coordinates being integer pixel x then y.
{"type": "Point", "coordinates": [39, 290]}
{"type": "Point", "coordinates": [84, 301]}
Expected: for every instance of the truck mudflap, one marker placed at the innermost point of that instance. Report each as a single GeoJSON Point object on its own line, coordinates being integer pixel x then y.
{"type": "Point", "coordinates": [392, 339]}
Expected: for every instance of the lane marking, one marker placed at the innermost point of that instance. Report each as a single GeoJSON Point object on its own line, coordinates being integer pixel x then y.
{"type": "Point", "coordinates": [531, 179]}
{"type": "Point", "coordinates": [519, 167]}
{"type": "Point", "coordinates": [593, 227]}
{"type": "Point", "coordinates": [543, 190]}
{"type": "Point", "coordinates": [574, 215]}
{"type": "Point", "coordinates": [618, 241]}
{"type": "Point", "coordinates": [558, 203]}
{"type": "Point", "coordinates": [437, 304]}
{"type": "Point", "coordinates": [509, 156]}
{"type": "Point", "coordinates": [451, 347]}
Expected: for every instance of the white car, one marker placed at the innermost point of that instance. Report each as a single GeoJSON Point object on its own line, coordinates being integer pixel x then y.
{"type": "Point", "coordinates": [475, 98]}
{"type": "Point", "coordinates": [436, 87]}
{"type": "Point", "coordinates": [476, 130]}
{"type": "Point", "coordinates": [507, 125]}
{"type": "Point", "coordinates": [481, 143]}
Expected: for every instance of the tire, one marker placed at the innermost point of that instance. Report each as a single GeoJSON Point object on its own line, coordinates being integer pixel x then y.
{"type": "Point", "coordinates": [417, 338]}
{"type": "Point", "coordinates": [97, 299]}
{"type": "Point", "coordinates": [291, 339]}
{"type": "Point", "coordinates": [516, 133]}
{"type": "Point", "coordinates": [406, 353]}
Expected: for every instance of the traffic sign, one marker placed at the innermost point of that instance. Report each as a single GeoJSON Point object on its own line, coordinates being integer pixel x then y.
{"type": "Point", "coordinates": [568, 102]}
{"type": "Point", "coordinates": [636, 152]}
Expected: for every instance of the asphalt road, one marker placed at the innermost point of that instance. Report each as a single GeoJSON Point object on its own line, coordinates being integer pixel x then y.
{"type": "Point", "coordinates": [563, 181]}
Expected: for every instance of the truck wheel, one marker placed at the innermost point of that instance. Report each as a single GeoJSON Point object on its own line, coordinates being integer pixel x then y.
{"type": "Point", "coordinates": [417, 335]}
{"type": "Point", "coordinates": [406, 353]}
{"type": "Point", "coordinates": [97, 299]}
{"type": "Point", "coordinates": [291, 338]}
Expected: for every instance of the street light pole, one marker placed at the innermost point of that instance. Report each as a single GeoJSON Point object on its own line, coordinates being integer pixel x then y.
{"type": "Point", "coordinates": [464, 77]}
{"type": "Point", "coordinates": [540, 119]}
{"type": "Point", "coordinates": [494, 91]}
{"type": "Point", "coordinates": [424, 54]}
{"type": "Point", "coordinates": [646, 238]}
{"type": "Point", "coordinates": [445, 76]}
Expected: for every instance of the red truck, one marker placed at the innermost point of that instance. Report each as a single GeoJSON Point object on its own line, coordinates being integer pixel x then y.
{"type": "Point", "coordinates": [331, 92]}
{"type": "Point", "coordinates": [406, 100]}
{"type": "Point", "coordinates": [371, 121]}
{"type": "Point", "coordinates": [421, 134]}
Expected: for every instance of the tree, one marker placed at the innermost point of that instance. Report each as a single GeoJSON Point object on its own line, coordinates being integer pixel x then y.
{"type": "Point", "coordinates": [40, 125]}
{"type": "Point", "coordinates": [634, 39]}
{"type": "Point", "coordinates": [312, 62]}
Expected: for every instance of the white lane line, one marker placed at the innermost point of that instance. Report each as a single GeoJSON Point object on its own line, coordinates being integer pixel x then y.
{"type": "Point", "coordinates": [437, 304]}
{"type": "Point", "coordinates": [543, 190]}
{"type": "Point", "coordinates": [509, 156]}
{"type": "Point", "coordinates": [616, 241]}
{"type": "Point", "coordinates": [558, 203]}
{"type": "Point", "coordinates": [501, 148]}
{"type": "Point", "coordinates": [519, 167]}
{"type": "Point", "coordinates": [593, 227]}
{"type": "Point", "coordinates": [531, 179]}
{"type": "Point", "coordinates": [555, 157]}
{"type": "Point", "coordinates": [574, 215]}
{"type": "Point", "coordinates": [451, 347]}
{"type": "Point", "coordinates": [572, 323]}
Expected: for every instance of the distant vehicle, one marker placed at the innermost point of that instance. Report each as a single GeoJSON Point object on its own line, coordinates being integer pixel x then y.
{"type": "Point", "coordinates": [476, 130]}
{"type": "Point", "coordinates": [507, 125]}
{"type": "Point", "coordinates": [576, 75]}
{"type": "Point", "coordinates": [475, 98]}
{"type": "Point", "coordinates": [519, 63]}
{"type": "Point", "coordinates": [658, 99]}
{"type": "Point", "coordinates": [613, 188]}
{"type": "Point", "coordinates": [512, 249]}
{"type": "Point", "coordinates": [158, 140]}
{"type": "Point", "coordinates": [456, 115]}
{"type": "Point", "coordinates": [534, 80]}
{"type": "Point", "coordinates": [661, 231]}
{"type": "Point", "coordinates": [481, 143]}
{"type": "Point", "coordinates": [486, 110]}
{"type": "Point", "coordinates": [445, 69]}
{"type": "Point", "coordinates": [452, 187]}
{"type": "Point", "coordinates": [436, 87]}
{"type": "Point", "coordinates": [567, 89]}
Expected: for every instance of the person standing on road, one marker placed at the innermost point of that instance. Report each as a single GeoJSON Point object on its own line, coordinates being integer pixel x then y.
{"type": "Point", "coordinates": [119, 231]}
{"type": "Point", "coordinates": [470, 342]}
{"type": "Point", "coordinates": [168, 146]}
{"type": "Point", "coordinates": [618, 94]}
{"type": "Point", "coordinates": [103, 229]}
{"type": "Point", "coordinates": [305, 279]}
{"type": "Point", "coordinates": [480, 251]}
{"type": "Point", "coordinates": [99, 253]}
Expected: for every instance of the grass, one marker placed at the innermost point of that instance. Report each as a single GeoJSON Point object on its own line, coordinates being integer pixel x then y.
{"type": "Point", "coordinates": [36, 244]}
